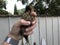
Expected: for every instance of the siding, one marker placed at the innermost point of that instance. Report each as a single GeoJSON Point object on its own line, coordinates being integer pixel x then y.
{"type": "Point", "coordinates": [47, 28]}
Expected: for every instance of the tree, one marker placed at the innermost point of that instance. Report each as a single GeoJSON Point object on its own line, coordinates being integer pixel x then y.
{"type": "Point", "coordinates": [21, 11]}
{"type": "Point", "coordinates": [3, 5]}
{"type": "Point", "coordinates": [53, 6]}
{"type": "Point", "coordinates": [52, 10]}
{"type": "Point", "coordinates": [15, 10]}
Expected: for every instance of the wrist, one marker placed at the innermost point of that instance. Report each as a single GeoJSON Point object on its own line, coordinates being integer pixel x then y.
{"type": "Point", "coordinates": [11, 40]}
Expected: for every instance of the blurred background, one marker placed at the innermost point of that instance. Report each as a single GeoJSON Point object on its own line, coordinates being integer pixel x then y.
{"type": "Point", "coordinates": [43, 7]}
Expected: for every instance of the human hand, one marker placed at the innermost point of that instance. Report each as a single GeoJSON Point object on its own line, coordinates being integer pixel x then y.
{"type": "Point", "coordinates": [16, 28]}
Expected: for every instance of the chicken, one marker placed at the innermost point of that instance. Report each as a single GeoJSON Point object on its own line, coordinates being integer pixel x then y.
{"type": "Point", "coordinates": [28, 16]}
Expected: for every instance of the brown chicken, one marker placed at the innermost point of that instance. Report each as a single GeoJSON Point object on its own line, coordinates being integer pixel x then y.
{"type": "Point", "coordinates": [28, 17]}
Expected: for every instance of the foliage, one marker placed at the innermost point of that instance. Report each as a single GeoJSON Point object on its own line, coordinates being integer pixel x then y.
{"type": "Point", "coordinates": [52, 10]}
{"type": "Point", "coordinates": [21, 11]}
{"type": "Point", "coordinates": [53, 7]}
{"type": "Point", "coordinates": [39, 7]}
{"type": "Point", "coordinates": [3, 5]}
{"type": "Point", "coordinates": [3, 12]}
{"type": "Point", "coordinates": [58, 2]}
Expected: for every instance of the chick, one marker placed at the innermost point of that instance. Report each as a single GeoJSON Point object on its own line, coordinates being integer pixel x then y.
{"type": "Point", "coordinates": [28, 16]}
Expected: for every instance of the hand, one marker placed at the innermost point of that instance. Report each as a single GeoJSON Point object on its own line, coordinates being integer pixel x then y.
{"type": "Point", "coordinates": [16, 28]}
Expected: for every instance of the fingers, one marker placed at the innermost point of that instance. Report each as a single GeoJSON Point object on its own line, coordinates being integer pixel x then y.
{"type": "Point", "coordinates": [32, 27]}
{"type": "Point", "coordinates": [29, 30]}
{"type": "Point", "coordinates": [34, 21]}
{"type": "Point", "coordinates": [23, 22]}
{"type": "Point", "coordinates": [28, 33]}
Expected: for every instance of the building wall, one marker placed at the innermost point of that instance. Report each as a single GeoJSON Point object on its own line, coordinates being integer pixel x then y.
{"type": "Point", "coordinates": [47, 29]}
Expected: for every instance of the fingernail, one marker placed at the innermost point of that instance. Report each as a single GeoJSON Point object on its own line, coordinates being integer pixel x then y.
{"type": "Point", "coordinates": [28, 22]}
{"type": "Point", "coordinates": [33, 22]}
